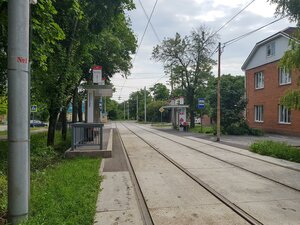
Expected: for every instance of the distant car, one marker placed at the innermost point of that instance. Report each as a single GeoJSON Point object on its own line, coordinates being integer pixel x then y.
{"type": "Point", "coordinates": [37, 123]}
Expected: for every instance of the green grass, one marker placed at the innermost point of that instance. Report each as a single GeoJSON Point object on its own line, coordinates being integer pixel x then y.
{"type": "Point", "coordinates": [41, 157]}
{"type": "Point", "coordinates": [279, 150]}
{"type": "Point", "coordinates": [65, 194]}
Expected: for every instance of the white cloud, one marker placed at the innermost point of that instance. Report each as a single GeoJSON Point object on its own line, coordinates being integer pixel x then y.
{"type": "Point", "coordinates": [182, 16]}
{"type": "Point", "coordinates": [210, 16]}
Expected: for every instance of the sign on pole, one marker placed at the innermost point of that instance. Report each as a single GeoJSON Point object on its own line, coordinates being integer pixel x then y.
{"type": "Point", "coordinates": [97, 74]}
{"type": "Point", "coordinates": [201, 103]}
{"type": "Point", "coordinates": [34, 108]}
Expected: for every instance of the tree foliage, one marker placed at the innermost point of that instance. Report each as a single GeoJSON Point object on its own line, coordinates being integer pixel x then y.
{"type": "Point", "coordinates": [160, 92]}
{"type": "Point", "coordinates": [290, 8]}
{"type": "Point", "coordinates": [291, 59]}
{"type": "Point", "coordinates": [233, 102]}
{"type": "Point", "coordinates": [94, 33]}
{"type": "Point", "coordinates": [189, 60]}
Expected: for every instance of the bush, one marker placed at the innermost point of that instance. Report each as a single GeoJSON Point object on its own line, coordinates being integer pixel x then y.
{"type": "Point", "coordinates": [256, 132]}
{"type": "Point", "coordinates": [279, 150]}
{"type": "Point", "coordinates": [239, 128]}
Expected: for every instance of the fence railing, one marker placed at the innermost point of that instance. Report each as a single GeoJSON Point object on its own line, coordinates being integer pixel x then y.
{"type": "Point", "coordinates": [87, 134]}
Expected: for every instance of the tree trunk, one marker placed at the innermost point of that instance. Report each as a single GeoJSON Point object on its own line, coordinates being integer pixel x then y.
{"type": "Point", "coordinates": [191, 100]}
{"type": "Point", "coordinates": [75, 106]}
{"type": "Point", "coordinates": [51, 128]}
{"type": "Point", "coordinates": [64, 124]}
{"type": "Point", "coordinates": [80, 119]}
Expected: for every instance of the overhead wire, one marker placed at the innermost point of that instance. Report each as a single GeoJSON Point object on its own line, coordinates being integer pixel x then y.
{"type": "Point", "coordinates": [148, 22]}
{"type": "Point", "coordinates": [154, 31]}
{"type": "Point", "coordinates": [251, 32]}
{"type": "Point", "coordinates": [225, 24]}
{"type": "Point", "coordinates": [232, 18]}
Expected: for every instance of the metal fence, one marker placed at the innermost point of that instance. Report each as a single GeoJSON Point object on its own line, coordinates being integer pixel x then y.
{"type": "Point", "coordinates": [87, 134]}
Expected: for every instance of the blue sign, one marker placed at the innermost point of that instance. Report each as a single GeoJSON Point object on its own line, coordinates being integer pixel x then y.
{"type": "Point", "coordinates": [33, 108]}
{"type": "Point", "coordinates": [201, 103]}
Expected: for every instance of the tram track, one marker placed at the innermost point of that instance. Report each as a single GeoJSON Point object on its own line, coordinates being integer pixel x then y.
{"type": "Point", "coordinates": [239, 211]}
{"type": "Point", "coordinates": [229, 163]}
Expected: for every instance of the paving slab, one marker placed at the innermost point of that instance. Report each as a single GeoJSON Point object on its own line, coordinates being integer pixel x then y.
{"type": "Point", "coordinates": [116, 201]}
{"type": "Point", "coordinates": [169, 192]}
{"type": "Point", "coordinates": [258, 196]}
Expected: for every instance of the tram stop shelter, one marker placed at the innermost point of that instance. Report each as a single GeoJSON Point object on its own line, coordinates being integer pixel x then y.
{"type": "Point", "coordinates": [179, 113]}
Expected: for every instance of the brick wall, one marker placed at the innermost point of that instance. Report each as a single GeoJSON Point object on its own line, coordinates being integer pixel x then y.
{"type": "Point", "coordinates": [269, 97]}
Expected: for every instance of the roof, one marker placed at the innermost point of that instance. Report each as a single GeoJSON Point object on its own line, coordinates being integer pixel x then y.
{"type": "Point", "coordinates": [287, 33]}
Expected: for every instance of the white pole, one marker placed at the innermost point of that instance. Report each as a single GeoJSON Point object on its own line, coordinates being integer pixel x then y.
{"type": "Point", "coordinates": [145, 105]}
{"type": "Point", "coordinates": [137, 107]}
{"type": "Point", "coordinates": [18, 109]}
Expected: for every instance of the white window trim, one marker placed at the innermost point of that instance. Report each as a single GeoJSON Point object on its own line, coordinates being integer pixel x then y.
{"type": "Point", "coordinates": [263, 80]}
{"type": "Point", "coordinates": [262, 112]}
{"type": "Point", "coordinates": [279, 113]}
{"type": "Point", "coordinates": [280, 74]}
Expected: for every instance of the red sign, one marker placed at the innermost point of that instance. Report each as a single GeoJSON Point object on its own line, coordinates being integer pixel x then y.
{"type": "Point", "coordinates": [22, 60]}
{"type": "Point", "coordinates": [97, 67]}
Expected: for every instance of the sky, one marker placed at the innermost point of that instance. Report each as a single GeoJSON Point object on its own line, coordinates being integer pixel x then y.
{"type": "Point", "coordinates": [182, 16]}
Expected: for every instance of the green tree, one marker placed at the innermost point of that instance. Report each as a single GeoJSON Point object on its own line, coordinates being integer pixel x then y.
{"type": "Point", "coordinates": [140, 97]}
{"type": "Point", "coordinates": [189, 58]}
{"type": "Point", "coordinates": [291, 59]}
{"type": "Point", "coordinates": [233, 102]}
{"type": "Point", "coordinates": [160, 92]}
{"type": "Point", "coordinates": [153, 113]}
{"type": "Point", "coordinates": [86, 24]}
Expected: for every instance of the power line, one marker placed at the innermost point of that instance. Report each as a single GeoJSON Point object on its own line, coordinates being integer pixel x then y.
{"type": "Point", "coordinates": [232, 18]}
{"type": "Point", "coordinates": [148, 22]}
{"type": "Point", "coordinates": [154, 31]}
{"type": "Point", "coordinates": [249, 33]}
{"type": "Point", "coordinates": [142, 38]}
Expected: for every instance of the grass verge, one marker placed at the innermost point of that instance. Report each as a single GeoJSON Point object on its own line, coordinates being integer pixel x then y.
{"type": "Point", "coordinates": [65, 194]}
{"type": "Point", "coordinates": [45, 163]}
{"type": "Point", "coordinates": [279, 150]}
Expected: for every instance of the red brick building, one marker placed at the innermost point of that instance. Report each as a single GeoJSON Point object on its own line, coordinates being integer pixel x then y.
{"type": "Point", "coordinates": [266, 82]}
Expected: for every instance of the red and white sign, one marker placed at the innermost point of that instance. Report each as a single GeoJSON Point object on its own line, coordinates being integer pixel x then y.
{"type": "Point", "coordinates": [97, 74]}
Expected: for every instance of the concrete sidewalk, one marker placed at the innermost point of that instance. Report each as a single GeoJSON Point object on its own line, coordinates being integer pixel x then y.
{"type": "Point", "coordinates": [241, 141]}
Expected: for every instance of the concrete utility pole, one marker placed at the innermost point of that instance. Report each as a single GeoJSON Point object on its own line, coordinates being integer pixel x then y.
{"type": "Point", "coordinates": [219, 95]}
{"type": "Point", "coordinates": [124, 110]}
{"type": "Point", "coordinates": [145, 104]}
{"type": "Point", "coordinates": [18, 110]}
{"type": "Point", "coordinates": [137, 107]}
{"type": "Point", "coordinates": [128, 109]}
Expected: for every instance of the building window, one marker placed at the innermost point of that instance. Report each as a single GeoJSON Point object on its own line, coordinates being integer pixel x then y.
{"type": "Point", "coordinates": [284, 115]}
{"type": "Point", "coordinates": [259, 113]}
{"type": "Point", "coordinates": [271, 49]}
{"type": "Point", "coordinates": [284, 76]}
{"type": "Point", "coordinates": [259, 80]}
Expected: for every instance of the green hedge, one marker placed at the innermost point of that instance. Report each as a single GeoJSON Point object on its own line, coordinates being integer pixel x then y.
{"type": "Point", "coordinates": [276, 149]}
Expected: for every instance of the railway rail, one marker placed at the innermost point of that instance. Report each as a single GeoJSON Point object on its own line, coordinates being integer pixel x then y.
{"type": "Point", "coordinates": [240, 211]}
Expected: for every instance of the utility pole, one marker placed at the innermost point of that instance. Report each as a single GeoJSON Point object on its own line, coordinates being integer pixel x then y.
{"type": "Point", "coordinates": [124, 110]}
{"type": "Point", "coordinates": [219, 95]}
{"type": "Point", "coordinates": [137, 107]}
{"type": "Point", "coordinates": [128, 109]}
{"type": "Point", "coordinates": [18, 110]}
{"type": "Point", "coordinates": [145, 104]}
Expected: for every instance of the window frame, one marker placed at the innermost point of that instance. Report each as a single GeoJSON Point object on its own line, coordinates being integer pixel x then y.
{"type": "Point", "coordinates": [270, 49]}
{"type": "Point", "coordinates": [261, 80]}
{"type": "Point", "coordinates": [286, 73]}
{"type": "Point", "coordinates": [258, 113]}
{"type": "Point", "coordinates": [284, 118]}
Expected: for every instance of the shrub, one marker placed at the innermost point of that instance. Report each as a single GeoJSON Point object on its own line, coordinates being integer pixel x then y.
{"type": "Point", "coordinates": [256, 132]}
{"type": "Point", "coordinates": [276, 149]}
